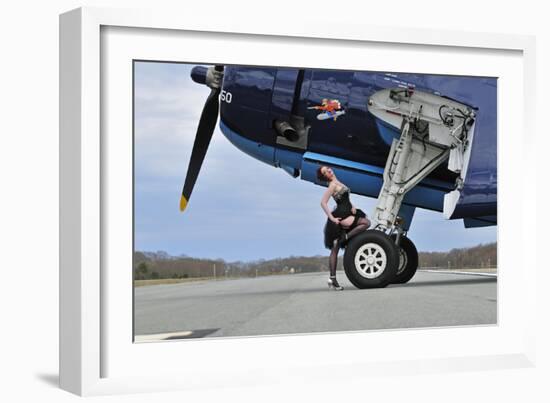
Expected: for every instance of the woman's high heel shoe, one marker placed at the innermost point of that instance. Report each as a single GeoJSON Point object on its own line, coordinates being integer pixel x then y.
{"type": "Point", "coordinates": [333, 284]}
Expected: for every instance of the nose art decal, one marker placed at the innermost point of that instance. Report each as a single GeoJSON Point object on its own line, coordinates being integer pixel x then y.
{"type": "Point", "coordinates": [330, 109]}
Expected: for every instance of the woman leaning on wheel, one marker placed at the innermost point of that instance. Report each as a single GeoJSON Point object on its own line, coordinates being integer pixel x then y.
{"type": "Point", "coordinates": [343, 222]}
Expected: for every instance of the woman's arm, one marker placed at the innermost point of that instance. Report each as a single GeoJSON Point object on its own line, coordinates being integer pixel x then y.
{"type": "Point", "coordinates": [324, 203]}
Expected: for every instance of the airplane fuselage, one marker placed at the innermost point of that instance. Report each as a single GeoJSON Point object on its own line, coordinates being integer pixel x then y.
{"type": "Point", "coordinates": [331, 107]}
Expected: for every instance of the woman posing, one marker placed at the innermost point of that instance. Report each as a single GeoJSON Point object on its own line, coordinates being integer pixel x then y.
{"type": "Point", "coordinates": [343, 222]}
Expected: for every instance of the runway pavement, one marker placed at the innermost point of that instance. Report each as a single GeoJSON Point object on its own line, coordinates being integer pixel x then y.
{"type": "Point", "coordinates": [302, 303]}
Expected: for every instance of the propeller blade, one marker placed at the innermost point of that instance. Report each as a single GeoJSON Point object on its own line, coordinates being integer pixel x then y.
{"type": "Point", "coordinates": [207, 124]}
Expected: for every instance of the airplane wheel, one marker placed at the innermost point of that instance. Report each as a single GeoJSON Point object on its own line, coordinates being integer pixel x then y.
{"type": "Point", "coordinates": [408, 261]}
{"type": "Point", "coordinates": [371, 260]}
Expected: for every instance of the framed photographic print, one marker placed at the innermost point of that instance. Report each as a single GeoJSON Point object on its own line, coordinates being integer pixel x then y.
{"type": "Point", "coordinates": [235, 200]}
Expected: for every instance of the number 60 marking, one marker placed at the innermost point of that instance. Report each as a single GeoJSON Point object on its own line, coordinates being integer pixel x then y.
{"type": "Point", "coordinates": [226, 96]}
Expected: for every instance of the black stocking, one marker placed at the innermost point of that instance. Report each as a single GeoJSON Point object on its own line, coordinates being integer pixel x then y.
{"type": "Point", "coordinates": [359, 228]}
{"type": "Point", "coordinates": [333, 258]}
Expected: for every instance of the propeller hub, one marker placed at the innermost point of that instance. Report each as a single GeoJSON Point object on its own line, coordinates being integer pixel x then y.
{"type": "Point", "coordinates": [214, 77]}
{"type": "Point", "coordinates": [211, 77]}
{"type": "Point", "coordinates": [198, 74]}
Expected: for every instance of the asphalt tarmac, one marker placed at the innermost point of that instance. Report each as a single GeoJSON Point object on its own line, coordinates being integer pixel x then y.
{"type": "Point", "coordinates": [302, 303]}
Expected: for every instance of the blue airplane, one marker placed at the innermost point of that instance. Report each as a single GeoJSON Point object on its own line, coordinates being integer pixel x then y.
{"type": "Point", "coordinates": [408, 140]}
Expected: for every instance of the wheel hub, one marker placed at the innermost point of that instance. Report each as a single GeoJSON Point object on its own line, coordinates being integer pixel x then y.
{"type": "Point", "coordinates": [403, 260]}
{"type": "Point", "coordinates": [370, 260]}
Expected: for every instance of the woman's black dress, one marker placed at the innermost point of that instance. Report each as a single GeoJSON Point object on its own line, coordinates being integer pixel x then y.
{"type": "Point", "coordinates": [343, 209]}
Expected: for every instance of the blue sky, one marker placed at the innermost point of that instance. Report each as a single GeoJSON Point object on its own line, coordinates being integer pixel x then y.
{"type": "Point", "coordinates": [241, 209]}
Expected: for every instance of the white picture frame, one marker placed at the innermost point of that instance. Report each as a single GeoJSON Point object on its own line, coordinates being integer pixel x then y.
{"type": "Point", "coordinates": [98, 358]}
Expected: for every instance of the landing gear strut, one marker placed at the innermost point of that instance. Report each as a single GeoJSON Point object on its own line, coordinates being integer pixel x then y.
{"type": "Point", "coordinates": [433, 130]}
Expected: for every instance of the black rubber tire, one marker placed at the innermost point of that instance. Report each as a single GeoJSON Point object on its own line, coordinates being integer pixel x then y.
{"type": "Point", "coordinates": [411, 258]}
{"type": "Point", "coordinates": [392, 259]}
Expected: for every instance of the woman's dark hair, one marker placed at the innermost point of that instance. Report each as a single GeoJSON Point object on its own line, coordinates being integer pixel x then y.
{"type": "Point", "coordinates": [320, 174]}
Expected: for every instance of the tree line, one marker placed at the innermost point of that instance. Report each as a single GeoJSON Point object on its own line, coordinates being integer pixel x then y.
{"type": "Point", "coordinates": [160, 265]}
{"type": "Point", "coordinates": [187, 267]}
{"type": "Point", "coordinates": [480, 256]}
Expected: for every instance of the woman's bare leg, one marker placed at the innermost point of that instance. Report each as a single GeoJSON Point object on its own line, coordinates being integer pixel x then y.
{"type": "Point", "coordinates": [347, 222]}
{"type": "Point", "coordinates": [362, 225]}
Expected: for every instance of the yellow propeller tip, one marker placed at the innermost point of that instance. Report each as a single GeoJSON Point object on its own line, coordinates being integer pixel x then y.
{"type": "Point", "coordinates": [183, 203]}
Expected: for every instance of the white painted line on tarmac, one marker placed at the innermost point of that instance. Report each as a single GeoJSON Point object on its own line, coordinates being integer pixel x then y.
{"type": "Point", "coordinates": [469, 273]}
